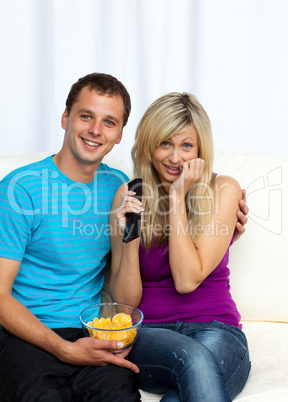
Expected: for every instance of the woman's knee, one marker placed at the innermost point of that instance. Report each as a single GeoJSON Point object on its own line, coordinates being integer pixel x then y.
{"type": "Point", "coordinates": [168, 350]}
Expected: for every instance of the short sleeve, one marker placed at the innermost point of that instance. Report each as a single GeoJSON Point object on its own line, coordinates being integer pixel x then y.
{"type": "Point", "coordinates": [17, 215]}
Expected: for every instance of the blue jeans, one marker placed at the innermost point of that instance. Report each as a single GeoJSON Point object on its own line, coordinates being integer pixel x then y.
{"type": "Point", "coordinates": [205, 362]}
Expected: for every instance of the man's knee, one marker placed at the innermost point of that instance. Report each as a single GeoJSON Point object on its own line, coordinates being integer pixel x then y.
{"type": "Point", "coordinates": [108, 383]}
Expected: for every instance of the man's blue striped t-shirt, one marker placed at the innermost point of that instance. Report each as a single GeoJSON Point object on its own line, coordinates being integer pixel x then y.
{"type": "Point", "coordinates": [59, 230]}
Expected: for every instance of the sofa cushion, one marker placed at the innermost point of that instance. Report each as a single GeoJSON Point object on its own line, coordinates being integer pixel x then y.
{"type": "Point", "coordinates": [258, 261]}
{"type": "Point", "coordinates": [10, 162]}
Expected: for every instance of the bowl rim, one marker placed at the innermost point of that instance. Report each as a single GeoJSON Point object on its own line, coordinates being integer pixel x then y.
{"type": "Point", "coordinates": [111, 304]}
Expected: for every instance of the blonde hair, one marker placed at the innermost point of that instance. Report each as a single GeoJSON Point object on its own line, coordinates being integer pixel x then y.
{"type": "Point", "coordinates": [167, 116]}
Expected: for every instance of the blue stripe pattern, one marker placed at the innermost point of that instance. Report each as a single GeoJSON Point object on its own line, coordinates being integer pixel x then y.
{"type": "Point", "coordinates": [59, 231]}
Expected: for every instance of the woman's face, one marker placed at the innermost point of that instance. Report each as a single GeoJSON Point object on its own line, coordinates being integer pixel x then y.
{"type": "Point", "coordinates": [168, 158]}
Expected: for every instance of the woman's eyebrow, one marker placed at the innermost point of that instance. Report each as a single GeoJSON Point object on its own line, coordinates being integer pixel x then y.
{"type": "Point", "coordinates": [189, 139]}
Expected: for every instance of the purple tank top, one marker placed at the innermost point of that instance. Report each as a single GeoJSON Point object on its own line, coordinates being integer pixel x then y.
{"type": "Point", "coordinates": [162, 303]}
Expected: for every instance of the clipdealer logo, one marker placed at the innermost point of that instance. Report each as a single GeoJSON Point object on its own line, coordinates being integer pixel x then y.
{"type": "Point", "coordinates": [268, 215]}
{"type": "Point", "coordinates": [57, 197]}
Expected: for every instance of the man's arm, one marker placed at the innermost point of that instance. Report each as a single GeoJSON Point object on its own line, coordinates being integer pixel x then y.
{"type": "Point", "coordinates": [21, 322]}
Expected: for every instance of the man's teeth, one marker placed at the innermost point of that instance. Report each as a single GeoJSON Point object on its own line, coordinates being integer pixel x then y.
{"type": "Point", "coordinates": [93, 144]}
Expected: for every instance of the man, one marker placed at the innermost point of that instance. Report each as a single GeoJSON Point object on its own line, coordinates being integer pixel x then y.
{"type": "Point", "coordinates": [53, 261]}
{"type": "Point", "coordinates": [54, 245]}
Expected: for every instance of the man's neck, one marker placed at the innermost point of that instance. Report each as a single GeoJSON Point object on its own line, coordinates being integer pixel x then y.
{"type": "Point", "coordinates": [74, 169]}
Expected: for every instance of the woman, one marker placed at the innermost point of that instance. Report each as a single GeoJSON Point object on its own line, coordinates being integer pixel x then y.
{"type": "Point", "coordinates": [191, 347]}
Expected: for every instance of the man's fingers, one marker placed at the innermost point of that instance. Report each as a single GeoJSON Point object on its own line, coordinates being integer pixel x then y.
{"type": "Point", "coordinates": [108, 344]}
{"type": "Point", "coordinates": [118, 358]}
{"type": "Point", "coordinates": [241, 229]}
{"type": "Point", "coordinates": [243, 207]}
{"type": "Point", "coordinates": [242, 218]}
{"type": "Point", "coordinates": [244, 195]}
{"type": "Point", "coordinates": [119, 361]}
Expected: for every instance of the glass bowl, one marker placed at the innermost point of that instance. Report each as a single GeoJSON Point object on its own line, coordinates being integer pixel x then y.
{"type": "Point", "coordinates": [115, 321]}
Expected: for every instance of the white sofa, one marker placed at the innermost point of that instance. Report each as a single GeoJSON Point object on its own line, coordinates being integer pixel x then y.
{"type": "Point", "coordinates": [258, 264]}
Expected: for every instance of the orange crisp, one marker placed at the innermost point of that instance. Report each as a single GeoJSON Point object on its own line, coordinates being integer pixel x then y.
{"type": "Point", "coordinates": [119, 322]}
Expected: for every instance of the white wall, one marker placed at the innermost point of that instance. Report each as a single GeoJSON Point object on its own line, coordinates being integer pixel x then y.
{"type": "Point", "coordinates": [232, 54]}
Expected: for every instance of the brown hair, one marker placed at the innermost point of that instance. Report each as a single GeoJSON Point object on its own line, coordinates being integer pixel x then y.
{"type": "Point", "coordinates": [104, 84]}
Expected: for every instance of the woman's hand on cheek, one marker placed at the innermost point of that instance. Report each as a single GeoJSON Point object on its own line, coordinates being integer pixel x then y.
{"type": "Point", "coordinates": [192, 172]}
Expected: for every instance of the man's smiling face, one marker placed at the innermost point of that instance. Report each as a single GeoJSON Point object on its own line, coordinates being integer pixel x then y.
{"type": "Point", "coordinates": [93, 127]}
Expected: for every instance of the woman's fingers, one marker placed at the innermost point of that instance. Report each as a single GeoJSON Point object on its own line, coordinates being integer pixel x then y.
{"type": "Point", "coordinates": [128, 204]}
{"type": "Point", "coordinates": [194, 169]}
{"type": "Point", "coordinates": [131, 204]}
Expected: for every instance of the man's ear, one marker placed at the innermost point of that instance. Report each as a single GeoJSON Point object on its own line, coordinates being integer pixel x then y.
{"type": "Point", "coordinates": [64, 120]}
{"type": "Point", "coordinates": [119, 138]}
